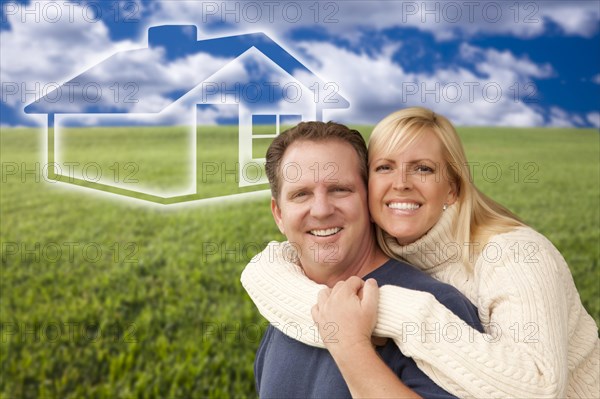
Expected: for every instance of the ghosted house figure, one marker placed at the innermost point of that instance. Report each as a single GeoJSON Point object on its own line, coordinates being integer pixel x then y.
{"type": "Point", "coordinates": [247, 81]}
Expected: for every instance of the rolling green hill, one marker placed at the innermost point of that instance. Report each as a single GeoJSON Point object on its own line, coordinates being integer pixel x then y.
{"type": "Point", "coordinates": [103, 296]}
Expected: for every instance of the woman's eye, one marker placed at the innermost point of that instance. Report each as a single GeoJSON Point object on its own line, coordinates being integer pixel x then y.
{"type": "Point", "coordinates": [382, 168]}
{"type": "Point", "coordinates": [424, 169]}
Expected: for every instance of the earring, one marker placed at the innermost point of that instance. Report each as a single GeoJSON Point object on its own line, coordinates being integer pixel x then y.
{"type": "Point", "coordinates": [445, 207]}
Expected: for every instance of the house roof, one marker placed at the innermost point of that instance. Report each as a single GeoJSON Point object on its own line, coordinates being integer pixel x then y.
{"type": "Point", "coordinates": [107, 86]}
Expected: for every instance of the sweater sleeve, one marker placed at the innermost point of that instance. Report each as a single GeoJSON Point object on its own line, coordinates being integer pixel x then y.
{"type": "Point", "coordinates": [282, 292]}
{"type": "Point", "coordinates": [523, 351]}
{"type": "Point", "coordinates": [523, 307]}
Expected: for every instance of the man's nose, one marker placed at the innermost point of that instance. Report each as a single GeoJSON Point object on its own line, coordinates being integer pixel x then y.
{"type": "Point", "coordinates": [322, 206]}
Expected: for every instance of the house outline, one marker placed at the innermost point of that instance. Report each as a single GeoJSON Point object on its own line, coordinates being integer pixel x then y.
{"type": "Point", "coordinates": [181, 40]}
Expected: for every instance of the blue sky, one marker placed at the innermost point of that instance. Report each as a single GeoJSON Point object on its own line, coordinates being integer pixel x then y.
{"type": "Point", "coordinates": [479, 63]}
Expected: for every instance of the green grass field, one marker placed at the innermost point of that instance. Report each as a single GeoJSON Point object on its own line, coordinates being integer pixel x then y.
{"type": "Point", "coordinates": [104, 297]}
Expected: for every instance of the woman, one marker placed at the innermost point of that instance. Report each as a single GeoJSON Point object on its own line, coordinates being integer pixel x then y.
{"type": "Point", "coordinates": [538, 341]}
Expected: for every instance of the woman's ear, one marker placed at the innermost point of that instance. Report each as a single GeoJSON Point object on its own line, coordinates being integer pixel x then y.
{"type": "Point", "coordinates": [452, 193]}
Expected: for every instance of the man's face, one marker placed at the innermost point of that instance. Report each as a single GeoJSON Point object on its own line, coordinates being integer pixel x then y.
{"type": "Point", "coordinates": [322, 207]}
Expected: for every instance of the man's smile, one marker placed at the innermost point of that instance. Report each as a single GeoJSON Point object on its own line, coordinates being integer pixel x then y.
{"type": "Point", "coordinates": [325, 232]}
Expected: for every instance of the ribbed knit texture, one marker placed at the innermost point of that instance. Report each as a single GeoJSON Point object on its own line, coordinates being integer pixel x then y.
{"type": "Point", "coordinates": [539, 341]}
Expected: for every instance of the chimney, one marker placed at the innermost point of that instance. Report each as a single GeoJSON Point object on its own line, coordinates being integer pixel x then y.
{"type": "Point", "coordinates": [169, 36]}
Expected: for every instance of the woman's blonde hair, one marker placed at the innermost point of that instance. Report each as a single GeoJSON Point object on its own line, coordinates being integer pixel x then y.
{"type": "Point", "coordinates": [479, 217]}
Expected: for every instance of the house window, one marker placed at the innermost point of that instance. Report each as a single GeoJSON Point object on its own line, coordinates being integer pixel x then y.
{"type": "Point", "coordinates": [265, 127]}
{"type": "Point", "coordinates": [288, 121]}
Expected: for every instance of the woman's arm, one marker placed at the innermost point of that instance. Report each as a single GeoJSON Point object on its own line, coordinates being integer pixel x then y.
{"type": "Point", "coordinates": [351, 307]}
{"type": "Point", "coordinates": [282, 292]}
{"type": "Point", "coordinates": [514, 298]}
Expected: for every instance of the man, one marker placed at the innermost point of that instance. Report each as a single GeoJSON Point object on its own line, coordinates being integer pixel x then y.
{"type": "Point", "coordinates": [318, 177]}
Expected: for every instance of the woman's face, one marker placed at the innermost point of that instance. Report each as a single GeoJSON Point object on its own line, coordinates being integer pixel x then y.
{"type": "Point", "coordinates": [408, 189]}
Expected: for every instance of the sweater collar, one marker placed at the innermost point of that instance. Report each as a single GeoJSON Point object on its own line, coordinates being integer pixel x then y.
{"type": "Point", "coordinates": [435, 248]}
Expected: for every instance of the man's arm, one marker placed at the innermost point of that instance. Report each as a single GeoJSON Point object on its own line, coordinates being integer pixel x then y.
{"type": "Point", "coordinates": [367, 375]}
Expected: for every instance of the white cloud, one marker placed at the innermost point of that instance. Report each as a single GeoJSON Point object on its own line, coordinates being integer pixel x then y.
{"type": "Point", "coordinates": [48, 52]}
{"type": "Point", "coordinates": [209, 116]}
{"type": "Point", "coordinates": [498, 63]}
{"type": "Point", "coordinates": [594, 119]}
{"type": "Point", "coordinates": [445, 20]}
{"type": "Point", "coordinates": [38, 56]}
{"type": "Point", "coordinates": [561, 118]}
{"type": "Point", "coordinates": [153, 77]}
{"type": "Point", "coordinates": [596, 79]}
{"type": "Point", "coordinates": [577, 18]}
{"type": "Point", "coordinates": [458, 93]}
{"type": "Point", "coordinates": [4, 126]}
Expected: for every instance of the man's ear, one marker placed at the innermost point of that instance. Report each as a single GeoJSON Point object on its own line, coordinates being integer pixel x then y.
{"type": "Point", "coordinates": [276, 211]}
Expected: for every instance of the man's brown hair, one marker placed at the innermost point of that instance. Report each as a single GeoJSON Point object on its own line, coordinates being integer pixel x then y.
{"type": "Point", "coordinates": [312, 131]}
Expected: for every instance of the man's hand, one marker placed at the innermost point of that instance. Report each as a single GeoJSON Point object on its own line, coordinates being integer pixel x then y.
{"type": "Point", "coordinates": [347, 313]}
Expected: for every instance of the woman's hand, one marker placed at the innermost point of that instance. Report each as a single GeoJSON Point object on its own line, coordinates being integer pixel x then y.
{"type": "Point", "coordinates": [347, 313]}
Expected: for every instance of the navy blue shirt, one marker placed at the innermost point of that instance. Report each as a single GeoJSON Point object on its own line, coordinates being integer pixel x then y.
{"type": "Point", "coordinates": [286, 368]}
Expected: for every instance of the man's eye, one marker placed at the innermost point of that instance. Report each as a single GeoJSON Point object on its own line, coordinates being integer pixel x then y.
{"type": "Point", "coordinates": [299, 194]}
{"type": "Point", "coordinates": [341, 189]}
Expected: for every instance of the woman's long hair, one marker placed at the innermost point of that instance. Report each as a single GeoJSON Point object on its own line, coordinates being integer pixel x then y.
{"type": "Point", "coordinates": [478, 217]}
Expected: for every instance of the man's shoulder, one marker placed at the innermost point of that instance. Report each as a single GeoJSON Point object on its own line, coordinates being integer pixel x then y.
{"type": "Point", "coordinates": [405, 275]}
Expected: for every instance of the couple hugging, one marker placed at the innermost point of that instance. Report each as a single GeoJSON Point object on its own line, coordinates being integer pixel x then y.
{"type": "Point", "coordinates": [384, 285]}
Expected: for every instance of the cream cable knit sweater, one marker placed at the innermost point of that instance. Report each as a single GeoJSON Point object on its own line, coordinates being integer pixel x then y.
{"type": "Point", "coordinates": [539, 341]}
